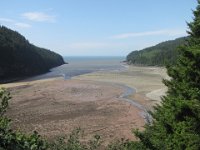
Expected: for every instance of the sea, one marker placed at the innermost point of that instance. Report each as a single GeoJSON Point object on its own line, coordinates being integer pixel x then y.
{"type": "Point", "coordinates": [83, 65]}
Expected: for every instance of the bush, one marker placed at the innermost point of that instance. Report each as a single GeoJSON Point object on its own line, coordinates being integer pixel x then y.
{"type": "Point", "coordinates": [11, 140]}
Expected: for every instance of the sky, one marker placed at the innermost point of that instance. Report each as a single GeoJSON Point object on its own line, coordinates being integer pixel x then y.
{"type": "Point", "coordinates": [97, 27]}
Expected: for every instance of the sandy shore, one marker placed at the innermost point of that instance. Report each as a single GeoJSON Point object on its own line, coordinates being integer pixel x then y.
{"type": "Point", "coordinates": [94, 102]}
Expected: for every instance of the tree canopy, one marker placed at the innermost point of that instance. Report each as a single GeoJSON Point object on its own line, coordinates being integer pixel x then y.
{"type": "Point", "coordinates": [176, 122]}
{"type": "Point", "coordinates": [19, 58]}
{"type": "Point", "coordinates": [159, 55]}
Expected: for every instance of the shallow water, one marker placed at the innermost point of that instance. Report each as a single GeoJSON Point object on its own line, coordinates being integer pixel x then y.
{"type": "Point", "coordinates": [82, 65]}
{"type": "Point", "coordinates": [129, 91]}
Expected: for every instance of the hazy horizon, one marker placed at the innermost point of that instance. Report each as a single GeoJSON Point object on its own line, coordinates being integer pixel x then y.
{"type": "Point", "coordinates": [97, 28]}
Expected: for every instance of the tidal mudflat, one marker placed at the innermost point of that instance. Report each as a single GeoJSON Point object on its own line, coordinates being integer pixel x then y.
{"type": "Point", "coordinates": [94, 102]}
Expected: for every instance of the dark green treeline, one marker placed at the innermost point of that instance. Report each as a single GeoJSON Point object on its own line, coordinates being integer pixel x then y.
{"type": "Point", "coordinates": [19, 58]}
{"type": "Point", "coordinates": [176, 122]}
{"type": "Point", "coordinates": [158, 55]}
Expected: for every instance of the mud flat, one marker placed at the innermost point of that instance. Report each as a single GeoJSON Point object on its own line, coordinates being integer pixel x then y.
{"type": "Point", "coordinates": [146, 81]}
{"type": "Point", "coordinates": [99, 103]}
{"type": "Point", "coordinates": [55, 107]}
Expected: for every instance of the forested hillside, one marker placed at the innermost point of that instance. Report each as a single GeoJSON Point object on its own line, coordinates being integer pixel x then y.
{"type": "Point", "coordinates": [19, 58]}
{"type": "Point", "coordinates": [160, 54]}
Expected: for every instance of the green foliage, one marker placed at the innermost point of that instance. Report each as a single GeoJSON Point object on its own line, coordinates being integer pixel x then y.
{"type": "Point", "coordinates": [19, 58]}
{"type": "Point", "coordinates": [176, 122]}
{"type": "Point", "coordinates": [15, 140]}
{"type": "Point", "coordinates": [119, 145]}
{"type": "Point", "coordinates": [73, 142]}
{"type": "Point", "coordinates": [160, 54]}
{"type": "Point", "coordinates": [125, 145]}
{"type": "Point", "coordinates": [4, 96]}
{"type": "Point", "coordinates": [175, 125]}
{"type": "Point", "coordinates": [10, 140]}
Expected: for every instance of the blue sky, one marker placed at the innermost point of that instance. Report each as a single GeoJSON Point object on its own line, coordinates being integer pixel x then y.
{"type": "Point", "coordinates": [97, 27]}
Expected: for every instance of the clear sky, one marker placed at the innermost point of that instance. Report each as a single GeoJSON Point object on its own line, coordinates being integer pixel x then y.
{"type": "Point", "coordinates": [97, 27]}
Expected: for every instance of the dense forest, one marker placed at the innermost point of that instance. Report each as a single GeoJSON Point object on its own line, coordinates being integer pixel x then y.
{"type": "Point", "coordinates": [175, 124]}
{"type": "Point", "coordinates": [19, 58]}
{"type": "Point", "coordinates": [159, 55]}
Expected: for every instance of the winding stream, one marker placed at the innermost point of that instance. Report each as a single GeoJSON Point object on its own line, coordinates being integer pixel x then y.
{"type": "Point", "coordinates": [129, 91]}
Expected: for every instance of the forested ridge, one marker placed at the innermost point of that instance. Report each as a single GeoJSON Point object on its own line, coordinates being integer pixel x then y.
{"type": "Point", "coordinates": [161, 54]}
{"type": "Point", "coordinates": [175, 121]}
{"type": "Point", "coordinates": [19, 58]}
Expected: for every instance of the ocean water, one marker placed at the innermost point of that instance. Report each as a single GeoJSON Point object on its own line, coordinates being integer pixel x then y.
{"type": "Point", "coordinates": [82, 65]}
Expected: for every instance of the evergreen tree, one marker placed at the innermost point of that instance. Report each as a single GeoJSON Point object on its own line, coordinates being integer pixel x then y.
{"type": "Point", "coordinates": [19, 58]}
{"type": "Point", "coordinates": [176, 122]}
{"type": "Point", "coordinates": [159, 55]}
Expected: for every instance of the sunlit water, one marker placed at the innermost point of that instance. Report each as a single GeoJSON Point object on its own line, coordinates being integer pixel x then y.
{"type": "Point", "coordinates": [82, 65]}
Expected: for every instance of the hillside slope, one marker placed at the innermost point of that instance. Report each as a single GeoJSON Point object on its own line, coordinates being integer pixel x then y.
{"type": "Point", "coordinates": [160, 54]}
{"type": "Point", "coordinates": [19, 58]}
